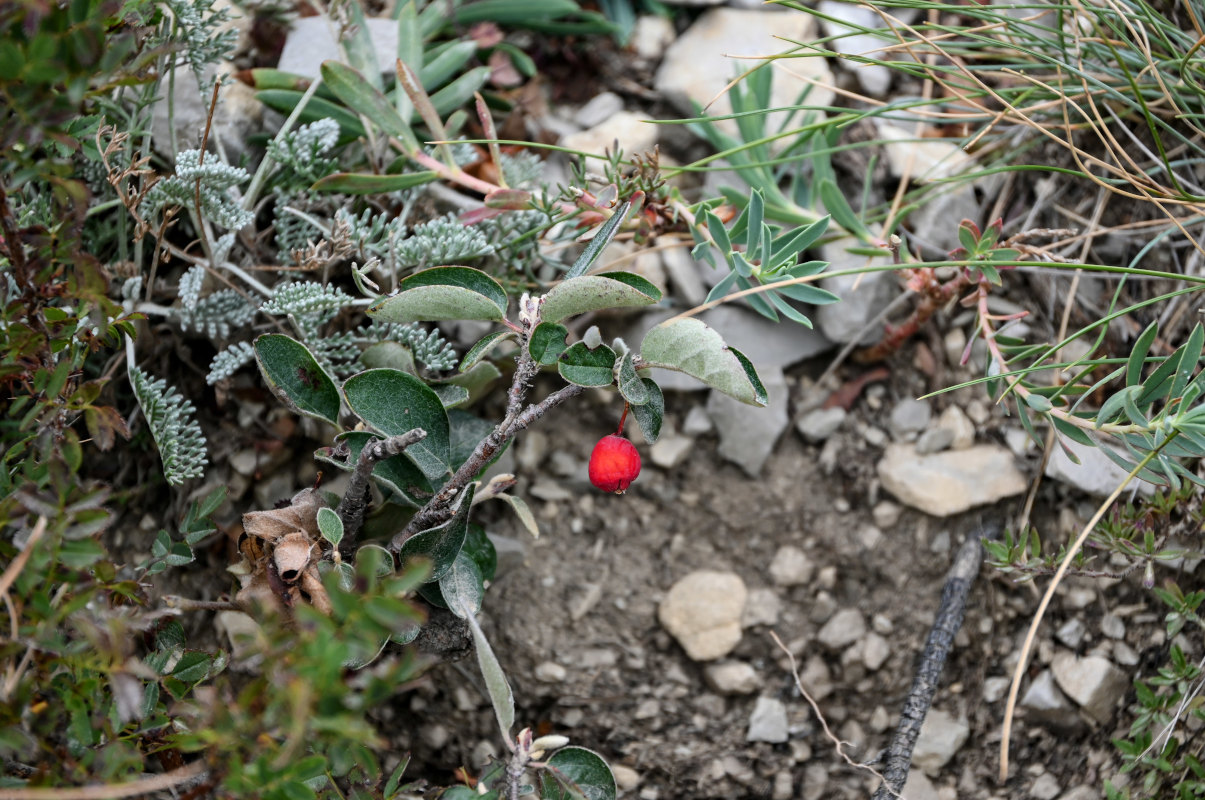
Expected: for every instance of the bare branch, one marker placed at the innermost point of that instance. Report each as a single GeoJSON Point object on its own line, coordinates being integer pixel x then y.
{"type": "Point", "coordinates": [355, 500]}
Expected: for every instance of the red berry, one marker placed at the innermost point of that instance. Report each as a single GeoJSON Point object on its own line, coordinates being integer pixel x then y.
{"type": "Point", "coordinates": [614, 464]}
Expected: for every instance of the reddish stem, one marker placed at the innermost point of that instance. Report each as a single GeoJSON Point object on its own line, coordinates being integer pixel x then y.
{"type": "Point", "coordinates": [622, 418]}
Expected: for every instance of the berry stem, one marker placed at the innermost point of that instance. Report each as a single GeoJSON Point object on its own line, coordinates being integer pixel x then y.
{"type": "Point", "coordinates": [622, 419]}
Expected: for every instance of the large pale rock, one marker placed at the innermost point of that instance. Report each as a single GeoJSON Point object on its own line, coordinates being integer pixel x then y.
{"type": "Point", "coordinates": [704, 59]}
{"type": "Point", "coordinates": [923, 159]}
{"type": "Point", "coordinates": [312, 41]}
{"type": "Point", "coordinates": [1094, 683]}
{"type": "Point", "coordinates": [634, 133]}
{"type": "Point", "coordinates": [941, 736]}
{"type": "Point", "coordinates": [843, 21]}
{"type": "Point", "coordinates": [1096, 473]}
{"type": "Point", "coordinates": [1044, 700]}
{"type": "Point", "coordinates": [703, 612]}
{"type": "Point", "coordinates": [950, 482]}
{"type": "Point", "coordinates": [863, 296]}
{"type": "Point", "coordinates": [748, 433]}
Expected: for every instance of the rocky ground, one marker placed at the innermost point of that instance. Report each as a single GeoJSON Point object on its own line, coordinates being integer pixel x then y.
{"type": "Point", "coordinates": [643, 625]}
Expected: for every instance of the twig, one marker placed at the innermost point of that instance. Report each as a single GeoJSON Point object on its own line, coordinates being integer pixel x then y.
{"type": "Point", "coordinates": [188, 604]}
{"type": "Point", "coordinates": [355, 499]}
{"type": "Point", "coordinates": [157, 783]}
{"type": "Point", "coordinates": [837, 743]}
{"type": "Point", "coordinates": [950, 612]}
{"type": "Point", "coordinates": [436, 510]}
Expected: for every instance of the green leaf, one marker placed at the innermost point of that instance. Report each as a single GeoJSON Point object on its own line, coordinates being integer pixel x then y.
{"type": "Point", "coordinates": [631, 385]}
{"type": "Point", "coordinates": [1038, 403]}
{"type": "Point", "coordinates": [460, 91]}
{"type": "Point", "coordinates": [463, 587]}
{"type": "Point", "coordinates": [523, 512]}
{"type": "Point", "coordinates": [394, 402]}
{"type": "Point", "coordinates": [467, 432]}
{"type": "Point", "coordinates": [585, 367]}
{"type": "Point", "coordinates": [838, 207]}
{"type": "Point", "coordinates": [601, 239]}
{"type": "Point", "coordinates": [690, 346]}
{"type": "Point", "coordinates": [285, 100]}
{"type": "Point", "coordinates": [595, 293]}
{"type": "Point", "coordinates": [296, 377]}
{"type": "Point", "coordinates": [368, 183]}
{"type": "Point", "coordinates": [443, 293]}
{"type": "Point", "coordinates": [496, 685]}
{"type": "Point", "coordinates": [483, 347]}
{"type": "Point", "coordinates": [450, 394]}
{"type": "Point", "coordinates": [330, 526]}
{"type": "Point", "coordinates": [585, 770]}
{"type": "Point", "coordinates": [547, 342]}
{"type": "Point", "coordinates": [1115, 404]}
{"type": "Point", "coordinates": [450, 60]}
{"type": "Point", "coordinates": [442, 543]}
{"type": "Point", "coordinates": [477, 546]}
{"type": "Point", "coordinates": [1190, 356]}
{"type": "Point", "coordinates": [362, 97]}
{"type": "Point", "coordinates": [650, 415]}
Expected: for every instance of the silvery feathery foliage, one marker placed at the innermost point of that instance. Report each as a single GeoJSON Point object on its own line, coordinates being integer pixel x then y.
{"type": "Point", "coordinates": [429, 348]}
{"type": "Point", "coordinates": [443, 240]}
{"type": "Point", "coordinates": [522, 169]}
{"type": "Point", "coordinates": [302, 154]}
{"type": "Point", "coordinates": [373, 233]}
{"type": "Point", "coordinates": [307, 297]}
{"type": "Point", "coordinates": [509, 231]}
{"type": "Point", "coordinates": [216, 179]}
{"type": "Point", "coordinates": [311, 306]}
{"type": "Point", "coordinates": [177, 435]}
{"type": "Point", "coordinates": [205, 41]}
{"type": "Point", "coordinates": [229, 361]}
{"type": "Point", "coordinates": [216, 314]}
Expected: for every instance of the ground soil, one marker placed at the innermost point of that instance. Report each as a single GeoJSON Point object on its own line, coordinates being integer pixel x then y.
{"type": "Point", "coordinates": [587, 594]}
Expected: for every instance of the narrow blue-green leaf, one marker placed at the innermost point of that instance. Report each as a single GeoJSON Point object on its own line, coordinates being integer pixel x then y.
{"type": "Point", "coordinates": [722, 288]}
{"type": "Point", "coordinates": [496, 685]}
{"type": "Point", "coordinates": [448, 62]}
{"type": "Point", "coordinates": [442, 293]}
{"type": "Point", "coordinates": [650, 415]}
{"type": "Point", "coordinates": [838, 208]}
{"type": "Point", "coordinates": [547, 342]}
{"type": "Point", "coordinates": [1114, 405]}
{"type": "Point", "coordinates": [296, 377]}
{"type": "Point", "coordinates": [442, 543]}
{"type": "Point", "coordinates": [586, 772]}
{"type": "Point", "coordinates": [1157, 386]}
{"type": "Point", "coordinates": [809, 293]}
{"type": "Point", "coordinates": [788, 311]}
{"type": "Point", "coordinates": [601, 239]}
{"type": "Point", "coordinates": [1072, 432]}
{"type": "Point", "coordinates": [460, 91]}
{"type": "Point", "coordinates": [368, 183]}
{"type": "Point", "coordinates": [285, 100]}
{"type": "Point", "coordinates": [595, 293]}
{"type": "Point", "coordinates": [356, 42]}
{"type": "Point", "coordinates": [483, 347]}
{"type": "Point", "coordinates": [1190, 357]}
{"type": "Point", "coordinates": [1137, 359]}
{"type": "Point", "coordinates": [631, 386]}
{"type": "Point", "coordinates": [794, 242]}
{"type": "Point", "coordinates": [394, 402]}
{"type": "Point", "coordinates": [718, 233]}
{"type": "Point", "coordinates": [756, 215]}
{"type": "Point", "coordinates": [585, 367]}
{"type": "Point", "coordinates": [366, 99]}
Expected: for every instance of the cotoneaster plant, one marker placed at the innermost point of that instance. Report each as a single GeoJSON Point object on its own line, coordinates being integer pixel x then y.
{"type": "Point", "coordinates": [410, 436]}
